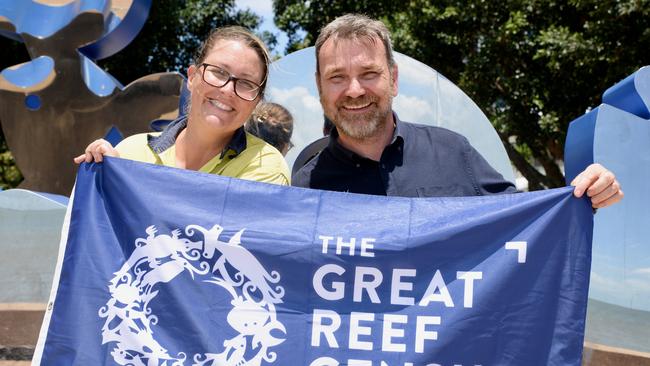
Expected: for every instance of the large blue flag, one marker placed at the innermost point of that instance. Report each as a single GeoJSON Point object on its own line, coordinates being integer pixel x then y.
{"type": "Point", "coordinates": [161, 266]}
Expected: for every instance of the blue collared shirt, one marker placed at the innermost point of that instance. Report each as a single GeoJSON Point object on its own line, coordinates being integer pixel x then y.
{"type": "Point", "coordinates": [420, 161]}
{"type": "Point", "coordinates": [167, 138]}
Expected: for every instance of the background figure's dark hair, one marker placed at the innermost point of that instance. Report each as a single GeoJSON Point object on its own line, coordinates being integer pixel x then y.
{"type": "Point", "coordinates": [272, 123]}
{"type": "Point", "coordinates": [328, 125]}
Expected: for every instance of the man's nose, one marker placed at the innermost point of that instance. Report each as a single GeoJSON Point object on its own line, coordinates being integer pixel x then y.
{"type": "Point", "coordinates": [355, 89]}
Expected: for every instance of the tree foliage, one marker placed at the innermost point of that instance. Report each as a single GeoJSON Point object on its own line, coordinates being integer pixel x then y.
{"type": "Point", "coordinates": [13, 53]}
{"type": "Point", "coordinates": [9, 174]}
{"type": "Point", "coordinates": [167, 42]}
{"type": "Point", "coordinates": [532, 66]}
{"type": "Point", "coordinates": [173, 32]}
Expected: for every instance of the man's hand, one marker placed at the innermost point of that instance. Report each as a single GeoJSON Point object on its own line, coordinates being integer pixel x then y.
{"type": "Point", "coordinates": [96, 152]}
{"type": "Point", "coordinates": [600, 185]}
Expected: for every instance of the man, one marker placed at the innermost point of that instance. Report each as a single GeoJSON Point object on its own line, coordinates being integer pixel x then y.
{"type": "Point", "coordinates": [371, 151]}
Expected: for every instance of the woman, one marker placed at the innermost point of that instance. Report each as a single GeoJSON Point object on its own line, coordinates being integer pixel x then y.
{"type": "Point", "coordinates": [226, 82]}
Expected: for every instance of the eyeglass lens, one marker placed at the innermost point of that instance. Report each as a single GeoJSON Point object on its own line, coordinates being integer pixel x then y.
{"type": "Point", "coordinates": [219, 77]}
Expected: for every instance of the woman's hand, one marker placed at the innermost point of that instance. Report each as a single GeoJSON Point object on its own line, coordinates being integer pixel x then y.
{"type": "Point", "coordinates": [96, 152]}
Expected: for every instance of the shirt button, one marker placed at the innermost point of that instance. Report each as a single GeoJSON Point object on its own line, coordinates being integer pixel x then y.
{"type": "Point", "coordinates": [383, 166]}
{"type": "Point", "coordinates": [358, 165]}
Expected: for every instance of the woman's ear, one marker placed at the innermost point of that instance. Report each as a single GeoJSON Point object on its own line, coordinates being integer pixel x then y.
{"type": "Point", "coordinates": [191, 72]}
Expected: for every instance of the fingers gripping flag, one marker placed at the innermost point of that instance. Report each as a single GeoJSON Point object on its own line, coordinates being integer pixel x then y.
{"type": "Point", "coordinates": [161, 266]}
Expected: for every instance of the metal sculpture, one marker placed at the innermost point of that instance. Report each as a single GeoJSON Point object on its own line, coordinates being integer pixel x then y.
{"type": "Point", "coordinates": [54, 105]}
{"type": "Point", "coordinates": [616, 135]}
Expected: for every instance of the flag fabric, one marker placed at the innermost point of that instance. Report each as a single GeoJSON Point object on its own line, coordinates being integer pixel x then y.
{"type": "Point", "coordinates": [161, 266]}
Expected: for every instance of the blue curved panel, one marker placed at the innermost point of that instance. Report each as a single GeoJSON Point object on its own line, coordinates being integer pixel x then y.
{"type": "Point", "coordinates": [121, 32]}
{"type": "Point", "coordinates": [617, 135]}
{"type": "Point", "coordinates": [578, 152]}
{"type": "Point", "coordinates": [632, 94]}
{"type": "Point", "coordinates": [97, 80]}
{"type": "Point", "coordinates": [29, 73]}
{"type": "Point", "coordinates": [41, 20]}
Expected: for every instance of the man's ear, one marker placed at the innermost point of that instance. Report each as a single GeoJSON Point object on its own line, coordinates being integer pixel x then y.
{"type": "Point", "coordinates": [317, 76]}
{"type": "Point", "coordinates": [394, 79]}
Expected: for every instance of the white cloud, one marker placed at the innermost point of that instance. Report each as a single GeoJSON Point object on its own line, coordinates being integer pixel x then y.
{"type": "Point", "coordinates": [631, 292]}
{"type": "Point", "coordinates": [412, 109]}
{"type": "Point", "coordinates": [638, 285]}
{"type": "Point", "coordinates": [307, 116]}
{"type": "Point", "coordinates": [642, 271]}
{"type": "Point", "coordinates": [605, 282]}
{"type": "Point", "coordinates": [413, 71]}
{"type": "Point", "coordinates": [297, 97]}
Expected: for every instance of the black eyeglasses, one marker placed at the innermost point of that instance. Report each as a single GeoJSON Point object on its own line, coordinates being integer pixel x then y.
{"type": "Point", "coordinates": [218, 77]}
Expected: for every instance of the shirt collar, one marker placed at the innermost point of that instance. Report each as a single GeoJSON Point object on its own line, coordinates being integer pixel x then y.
{"type": "Point", "coordinates": [399, 129]}
{"type": "Point", "coordinates": [340, 151]}
{"type": "Point", "coordinates": [167, 138]}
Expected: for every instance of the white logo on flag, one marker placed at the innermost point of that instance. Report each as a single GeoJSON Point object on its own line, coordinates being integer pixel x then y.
{"type": "Point", "coordinates": [157, 260]}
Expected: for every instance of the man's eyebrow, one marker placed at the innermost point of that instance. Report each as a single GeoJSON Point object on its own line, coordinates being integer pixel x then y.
{"type": "Point", "coordinates": [371, 67]}
{"type": "Point", "coordinates": [364, 68]}
{"type": "Point", "coordinates": [332, 69]}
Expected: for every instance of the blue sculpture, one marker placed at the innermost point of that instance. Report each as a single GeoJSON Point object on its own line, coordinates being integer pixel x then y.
{"type": "Point", "coordinates": [54, 105]}
{"type": "Point", "coordinates": [617, 135]}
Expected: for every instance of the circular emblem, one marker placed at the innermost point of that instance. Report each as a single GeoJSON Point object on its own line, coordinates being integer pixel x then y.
{"type": "Point", "coordinates": [157, 260]}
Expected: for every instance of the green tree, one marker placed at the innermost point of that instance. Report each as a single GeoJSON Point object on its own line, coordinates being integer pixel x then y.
{"type": "Point", "coordinates": [13, 53]}
{"type": "Point", "coordinates": [9, 174]}
{"type": "Point", "coordinates": [167, 42]}
{"type": "Point", "coordinates": [532, 66]}
{"type": "Point", "coordinates": [173, 32]}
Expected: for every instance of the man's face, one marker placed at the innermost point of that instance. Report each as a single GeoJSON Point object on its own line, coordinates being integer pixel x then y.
{"type": "Point", "coordinates": [356, 86]}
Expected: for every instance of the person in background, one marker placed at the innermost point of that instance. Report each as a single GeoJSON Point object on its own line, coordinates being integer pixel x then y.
{"type": "Point", "coordinates": [272, 123]}
{"type": "Point", "coordinates": [226, 82]}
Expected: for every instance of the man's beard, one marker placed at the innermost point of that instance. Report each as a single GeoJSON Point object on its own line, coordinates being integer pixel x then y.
{"type": "Point", "coordinates": [362, 125]}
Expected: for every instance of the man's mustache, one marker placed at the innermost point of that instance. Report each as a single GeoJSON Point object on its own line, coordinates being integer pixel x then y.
{"type": "Point", "coordinates": [356, 102]}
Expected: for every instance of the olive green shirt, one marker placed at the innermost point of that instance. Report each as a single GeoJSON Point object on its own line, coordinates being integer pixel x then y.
{"type": "Point", "coordinates": [245, 157]}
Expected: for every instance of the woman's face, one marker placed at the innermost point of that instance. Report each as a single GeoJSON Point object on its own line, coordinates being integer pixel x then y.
{"type": "Point", "coordinates": [220, 108]}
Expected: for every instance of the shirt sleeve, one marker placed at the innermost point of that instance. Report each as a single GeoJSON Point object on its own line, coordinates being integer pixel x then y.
{"type": "Point", "coordinates": [267, 177]}
{"type": "Point", "coordinates": [265, 164]}
{"type": "Point", "coordinates": [486, 179]}
{"type": "Point", "coordinates": [301, 178]}
{"type": "Point", "coordinates": [135, 148]}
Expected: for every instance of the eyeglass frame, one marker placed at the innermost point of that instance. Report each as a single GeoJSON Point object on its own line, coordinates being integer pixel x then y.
{"type": "Point", "coordinates": [232, 78]}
